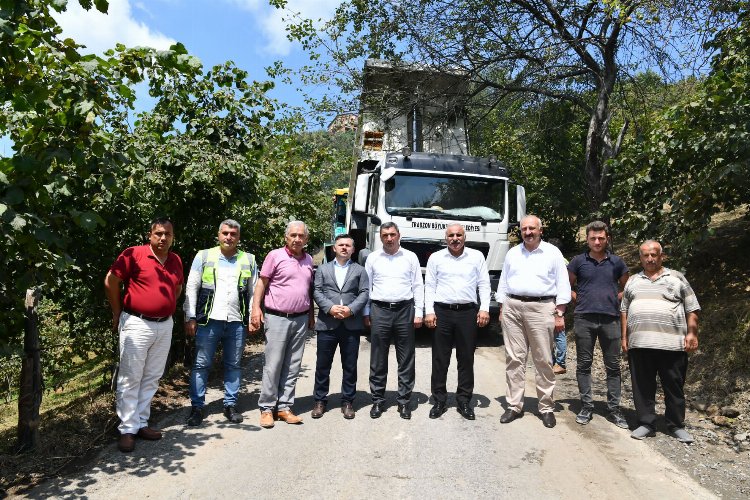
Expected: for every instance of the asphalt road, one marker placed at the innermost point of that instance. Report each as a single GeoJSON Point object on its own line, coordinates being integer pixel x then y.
{"type": "Point", "coordinates": [388, 457]}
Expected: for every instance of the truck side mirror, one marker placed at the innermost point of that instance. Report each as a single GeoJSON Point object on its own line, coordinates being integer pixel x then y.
{"type": "Point", "coordinates": [520, 203]}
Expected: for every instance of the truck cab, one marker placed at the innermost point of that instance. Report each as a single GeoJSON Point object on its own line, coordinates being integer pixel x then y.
{"type": "Point", "coordinates": [412, 167]}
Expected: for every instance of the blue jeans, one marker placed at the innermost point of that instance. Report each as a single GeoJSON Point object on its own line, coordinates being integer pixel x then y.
{"type": "Point", "coordinates": [561, 348]}
{"type": "Point", "coordinates": [207, 337]}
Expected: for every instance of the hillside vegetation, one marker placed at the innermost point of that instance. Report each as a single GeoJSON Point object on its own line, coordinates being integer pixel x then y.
{"type": "Point", "coordinates": [719, 272]}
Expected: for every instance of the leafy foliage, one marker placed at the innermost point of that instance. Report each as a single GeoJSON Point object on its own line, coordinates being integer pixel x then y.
{"type": "Point", "coordinates": [88, 172]}
{"type": "Point", "coordinates": [516, 52]}
{"type": "Point", "coordinates": [696, 160]}
{"type": "Point", "coordinates": [542, 144]}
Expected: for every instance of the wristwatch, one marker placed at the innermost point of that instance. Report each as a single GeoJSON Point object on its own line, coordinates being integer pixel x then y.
{"type": "Point", "coordinates": [558, 312]}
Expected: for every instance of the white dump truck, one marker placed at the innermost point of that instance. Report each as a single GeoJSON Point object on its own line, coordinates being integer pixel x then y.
{"type": "Point", "coordinates": [412, 167]}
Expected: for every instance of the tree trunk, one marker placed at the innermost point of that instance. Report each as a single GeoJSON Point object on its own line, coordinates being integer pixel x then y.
{"type": "Point", "coordinates": [599, 146]}
{"type": "Point", "coordinates": [30, 398]}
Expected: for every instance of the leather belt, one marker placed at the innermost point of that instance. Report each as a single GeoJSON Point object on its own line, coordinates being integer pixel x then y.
{"type": "Point", "coordinates": [393, 305]}
{"type": "Point", "coordinates": [285, 315]}
{"type": "Point", "coordinates": [526, 298]}
{"type": "Point", "coordinates": [147, 318]}
{"type": "Point", "coordinates": [456, 307]}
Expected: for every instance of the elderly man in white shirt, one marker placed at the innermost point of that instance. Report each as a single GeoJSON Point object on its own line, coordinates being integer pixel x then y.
{"type": "Point", "coordinates": [455, 277]}
{"type": "Point", "coordinates": [533, 292]}
{"type": "Point", "coordinates": [395, 310]}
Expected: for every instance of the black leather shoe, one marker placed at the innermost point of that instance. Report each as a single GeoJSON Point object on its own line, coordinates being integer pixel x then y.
{"type": "Point", "coordinates": [466, 411]}
{"type": "Point", "coordinates": [232, 415]}
{"type": "Point", "coordinates": [437, 410]}
{"type": "Point", "coordinates": [509, 416]}
{"type": "Point", "coordinates": [196, 417]}
{"type": "Point", "coordinates": [376, 410]}
{"type": "Point", "coordinates": [404, 411]}
{"type": "Point", "coordinates": [548, 419]}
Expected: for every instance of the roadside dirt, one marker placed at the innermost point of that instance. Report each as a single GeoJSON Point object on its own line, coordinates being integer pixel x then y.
{"type": "Point", "coordinates": [717, 459]}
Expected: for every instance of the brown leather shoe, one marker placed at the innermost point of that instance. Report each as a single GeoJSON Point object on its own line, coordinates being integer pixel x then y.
{"type": "Point", "coordinates": [266, 419]}
{"type": "Point", "coordinates": [126, 444]}
{"type": "Point", "coordinates": [318, 409]}
{"type": "Point", "coordinates": [288, 416]}
{"type": "Point", "coordinates": [149, 434]}
{"type": "Point", "coordinates": [348, 410]}
{"type": "Point", "coordinates": [559, 370]}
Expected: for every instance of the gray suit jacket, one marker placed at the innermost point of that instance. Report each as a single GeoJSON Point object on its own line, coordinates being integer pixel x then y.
{"type": "Point", "coordinates": [353, 294]}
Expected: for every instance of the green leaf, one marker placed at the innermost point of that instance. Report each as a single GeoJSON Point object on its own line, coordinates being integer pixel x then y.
{"type": "Point", "coordinates": [14, 195]}
{"type": "Point", "coordinates": [102, 6]}
{"type": "Point", "coordinates": [89, 220]}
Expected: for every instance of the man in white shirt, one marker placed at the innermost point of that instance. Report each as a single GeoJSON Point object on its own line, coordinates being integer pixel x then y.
{"type": "Point", "coordinates": [533, 293]}
{"type": "Point", "coordinates": [453, 277]}
{"type": "Point", "coordinates": [395, 310]}
{"type": "Point", "coordinates": [217, 302]}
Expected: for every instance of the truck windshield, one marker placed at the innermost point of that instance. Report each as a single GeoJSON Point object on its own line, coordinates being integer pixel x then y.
{"type": "Point", "coordinates": [435, 197]}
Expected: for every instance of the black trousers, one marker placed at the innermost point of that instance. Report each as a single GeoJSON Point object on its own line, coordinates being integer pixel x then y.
{"type": "Point", "coordinates": [459, 328]}
{"type": "Point", "coordinates": [671, 367]}
{"type": "Point", "coordinates": [396, 325]}
{"type": "Point", "coordinates": [348, 343]}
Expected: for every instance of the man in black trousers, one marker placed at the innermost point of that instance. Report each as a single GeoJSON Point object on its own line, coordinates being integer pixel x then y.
{"type": "Point", "coordinates": [396, 308]}
{"type": "Point", "coordinates": [453, 277]}
{"type": "Point", "coordinates": [341, 291]}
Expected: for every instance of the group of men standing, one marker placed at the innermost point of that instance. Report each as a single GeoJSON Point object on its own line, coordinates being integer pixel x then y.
{"type": "Point", "coordinates": [652, 316]}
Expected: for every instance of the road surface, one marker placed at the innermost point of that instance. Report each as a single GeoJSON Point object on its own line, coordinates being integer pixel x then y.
{"type": "Point", "coordinates": [388, 457]}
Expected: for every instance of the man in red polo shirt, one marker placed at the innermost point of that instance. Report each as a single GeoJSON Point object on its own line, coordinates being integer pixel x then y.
{"type": "Point", "coordinates": [153, 279]}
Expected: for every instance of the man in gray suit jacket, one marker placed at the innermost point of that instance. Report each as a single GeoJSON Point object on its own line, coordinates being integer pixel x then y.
{"type": "Point", "coordinates": [341, 292]}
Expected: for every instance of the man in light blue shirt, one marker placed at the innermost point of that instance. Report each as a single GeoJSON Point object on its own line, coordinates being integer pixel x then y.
{"type": "Point", "coordinates": [217, 301]}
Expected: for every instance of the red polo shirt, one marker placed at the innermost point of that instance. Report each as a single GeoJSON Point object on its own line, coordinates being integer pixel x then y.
{"type": "Point", "coordinates": [150, 287]}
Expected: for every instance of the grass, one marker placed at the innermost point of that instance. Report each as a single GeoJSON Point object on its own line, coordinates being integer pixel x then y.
{"type": "Point", "coordinates": [86, 379]}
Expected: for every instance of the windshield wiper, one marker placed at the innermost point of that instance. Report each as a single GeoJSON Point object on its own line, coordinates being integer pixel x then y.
{"type": "Point", "coordinates": [424, 213]}
{"type": "Point", "coordinates": [471, 217]}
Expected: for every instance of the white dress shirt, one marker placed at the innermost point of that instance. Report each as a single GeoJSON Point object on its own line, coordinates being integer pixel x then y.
{"type": "Point", "coordinates": [455, 280]}
{"type": "Point", "coordinates": [394, 278]}
{"type": "Point", "coordinates": [226, 305]}
{"type": "Point", "coordinates": [340, 272]}
{"type": "Point", "coordinates": [539, 273]}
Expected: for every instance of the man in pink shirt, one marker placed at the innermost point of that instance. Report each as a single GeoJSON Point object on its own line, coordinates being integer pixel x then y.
{"type": "Point", "coordinates": [285, 289]}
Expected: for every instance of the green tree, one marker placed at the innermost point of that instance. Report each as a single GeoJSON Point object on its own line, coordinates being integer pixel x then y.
{"type": "Point", "coordinates": [571, 51]}
{"type": "Point", "coordinates": [88, 173]}
{"type": "Point", "coordinates": [542, 144]}
{"type": "Point", "coordinates": [695, 162]}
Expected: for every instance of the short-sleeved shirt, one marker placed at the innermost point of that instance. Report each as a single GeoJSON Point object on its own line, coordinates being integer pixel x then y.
{"type": "Point", "coordinates": [597, 283]}
{"type": "Point", "coordinates": [289, 280]}
{"type": "Point", "coordinates": [657, 310]}
{"type": "Point", "coordinates": [150, 286]}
